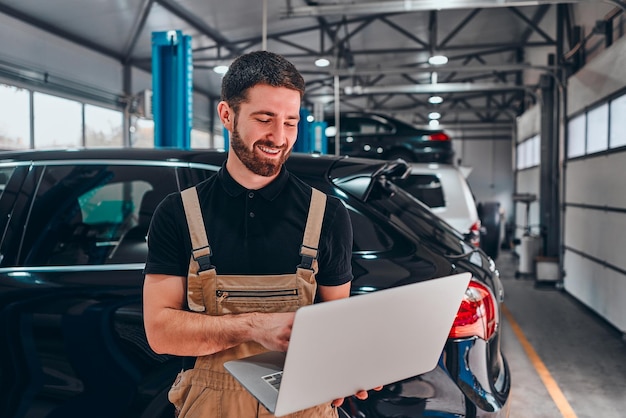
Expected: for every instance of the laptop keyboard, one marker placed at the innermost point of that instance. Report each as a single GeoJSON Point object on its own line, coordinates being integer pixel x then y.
{"type": "Point", "coordinates": [274, 379]}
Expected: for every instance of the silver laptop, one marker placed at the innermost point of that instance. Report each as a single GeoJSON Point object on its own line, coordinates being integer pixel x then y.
{"type": "Point", "coordinates": [340, 347]}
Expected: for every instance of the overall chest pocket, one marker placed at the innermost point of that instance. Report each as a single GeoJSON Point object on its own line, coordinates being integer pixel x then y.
{"type": "Point", "coordinates": [238, 301]}
{"type": "Point", "coordinates": [268, 294]}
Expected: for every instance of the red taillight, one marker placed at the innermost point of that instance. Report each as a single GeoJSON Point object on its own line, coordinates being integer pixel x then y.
{"type": "Point", "coordinates": [478, 315]}
{"type": "Point", "coordinates": [439, 136]}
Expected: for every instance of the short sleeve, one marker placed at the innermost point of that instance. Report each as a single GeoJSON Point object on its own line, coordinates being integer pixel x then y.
{"type": "Point", "coordinates": [168, 239]}
{"type": "Point", "coordinates": [335, 260]}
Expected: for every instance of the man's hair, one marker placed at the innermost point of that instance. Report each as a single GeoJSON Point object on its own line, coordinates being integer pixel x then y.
{"type": "Point", "coordinates": [258, 67]}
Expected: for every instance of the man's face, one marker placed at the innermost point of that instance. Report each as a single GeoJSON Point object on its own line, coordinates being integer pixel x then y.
{"type": "Point", "coordinates": [265, 128]}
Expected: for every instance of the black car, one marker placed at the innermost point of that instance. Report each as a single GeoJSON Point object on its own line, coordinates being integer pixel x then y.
{"type": "Point", "coordinates": [372, 135]}
{"type": "Point", "coordinates": [71, 257]}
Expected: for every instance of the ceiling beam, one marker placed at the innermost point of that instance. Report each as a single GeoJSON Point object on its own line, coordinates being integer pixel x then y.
{"type": "Point", "coordinates": [407, 6]}
{"type": "Point", "coordinates": [192, 19]}
{"type": "Point", "coordinates": [430, 88]}
{"type": "Point", "coordinates": [61, 33]}
{"type": "Point", "coordinates": [441, 69]}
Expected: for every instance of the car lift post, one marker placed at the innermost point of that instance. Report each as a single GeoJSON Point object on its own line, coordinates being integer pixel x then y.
{"type": "Point", "coordinates": [172, 89]}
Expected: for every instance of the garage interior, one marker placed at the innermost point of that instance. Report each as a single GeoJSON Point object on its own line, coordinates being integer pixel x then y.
{"type": "Point", "coordinates": [534, 94]}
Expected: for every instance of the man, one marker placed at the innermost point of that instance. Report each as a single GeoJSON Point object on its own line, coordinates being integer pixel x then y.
{"type": "Point", "coordinates": [255, 214]}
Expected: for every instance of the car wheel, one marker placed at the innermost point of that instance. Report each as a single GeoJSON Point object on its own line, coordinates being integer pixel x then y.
{"type": "Point", "coordinates": [489, 214]}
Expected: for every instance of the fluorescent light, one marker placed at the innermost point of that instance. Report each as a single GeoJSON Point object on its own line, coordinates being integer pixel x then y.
{"type": "Point", "coordinates": [434, 115]}
{"type": "Point", "coordinates": [435, 99]}
{"type": "Point", "coordinates": [221, 69]}
{"type": "Point", "coordinates": [438, 60]}
{"type": "Point", "coordinates": [322, 62]}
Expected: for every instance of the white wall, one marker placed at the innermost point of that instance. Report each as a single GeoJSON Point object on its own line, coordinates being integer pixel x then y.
{"type": "Point", "coordinates": [594, 237]}
{"type": "Point", "coordinates": [491, 178]}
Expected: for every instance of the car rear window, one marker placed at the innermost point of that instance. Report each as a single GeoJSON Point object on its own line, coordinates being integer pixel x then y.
{"type": "Point", "coordinates": [426, 188]}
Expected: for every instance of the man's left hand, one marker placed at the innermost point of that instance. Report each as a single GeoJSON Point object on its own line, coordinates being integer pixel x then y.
{"type": "Point", "coordinates": [362, 395]}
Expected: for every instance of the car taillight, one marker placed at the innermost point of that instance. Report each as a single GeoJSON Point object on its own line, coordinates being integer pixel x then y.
{"type": "Point", "coordinates": [439, 136]}
{"type": "Point", "coordinates": [478, 315]}
{"type": "Point", "coordinates": [475, 234]}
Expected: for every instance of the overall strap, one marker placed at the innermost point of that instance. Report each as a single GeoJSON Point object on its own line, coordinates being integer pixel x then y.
{"type": "Point", "coordinates": [199, 241]}
{"type": "Point", "coordinates": [313, 229]}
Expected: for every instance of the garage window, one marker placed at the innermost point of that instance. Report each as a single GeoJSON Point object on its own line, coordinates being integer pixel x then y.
{"type": "Point", "coordinates": [618, 123]}
{"type": "Point", "coordinates": [598, 129]}
{"type": "Point", "coordinates": [576, 129]}
{"type": "Point", "coordinates": [15, 121]}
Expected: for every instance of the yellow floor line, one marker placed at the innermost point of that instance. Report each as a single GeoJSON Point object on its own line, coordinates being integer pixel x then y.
{"type": "Point", "coordinates": [549, 382]}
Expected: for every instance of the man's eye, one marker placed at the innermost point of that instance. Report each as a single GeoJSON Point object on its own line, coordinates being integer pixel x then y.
{"type": "Point", "coordinates": [264, 120]}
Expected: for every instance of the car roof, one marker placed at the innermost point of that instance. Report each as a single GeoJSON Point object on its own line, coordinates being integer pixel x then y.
{"type": "Point", "coordinates": [301, 164]}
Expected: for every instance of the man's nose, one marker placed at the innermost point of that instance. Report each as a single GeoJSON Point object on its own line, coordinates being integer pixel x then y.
{"type": "Point", "coordinates": [277, 132]}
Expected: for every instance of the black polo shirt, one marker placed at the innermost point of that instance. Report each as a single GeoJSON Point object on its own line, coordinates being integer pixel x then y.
{"type": "Point", "coordinates": [251, 232]}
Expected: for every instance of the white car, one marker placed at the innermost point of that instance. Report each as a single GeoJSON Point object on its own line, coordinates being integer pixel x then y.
{"type": "Point", "coordinates": [444, 188]}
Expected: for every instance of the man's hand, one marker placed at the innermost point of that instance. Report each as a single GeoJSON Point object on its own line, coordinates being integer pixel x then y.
{"type": "Point", "coordinates": [361, 395]}
{"type": "Point", "coordinates": [272, 330]}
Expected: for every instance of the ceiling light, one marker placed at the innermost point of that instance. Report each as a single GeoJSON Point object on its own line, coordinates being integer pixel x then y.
{"type": "Point", "coordinates": [434, 123]}
{"type": "Point", "coordinates": [435, 99]}
{"type": "Point", "coordinates": [221, 69]}
{"type": "Point", "coordinates": [322, 62]}
{"type": "Point", "coordinates": [434, 115]}
{"type": "Point", "coordinates": [438, 60]}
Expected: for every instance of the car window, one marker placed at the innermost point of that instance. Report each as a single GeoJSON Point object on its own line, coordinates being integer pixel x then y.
{"type": "Point", "coordinates": [401, 209]}
{"type": "Point", "coordinates": [370, 126]}
{"type": "Point", "coordinates": [368, 236]}
{"type": "Point", "coordinates": [5, 175]}
{"type": "Point", "coordinates": [94, 214]}
{"type": "Point", "coordinates": [426, 188]}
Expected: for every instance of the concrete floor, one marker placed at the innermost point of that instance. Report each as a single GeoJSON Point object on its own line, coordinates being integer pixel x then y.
{"type": "Point", "coordinates": [584, 357]}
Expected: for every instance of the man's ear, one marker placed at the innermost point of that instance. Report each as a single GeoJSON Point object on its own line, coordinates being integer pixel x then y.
{"type": "Point", "coordinates": [226, 114]}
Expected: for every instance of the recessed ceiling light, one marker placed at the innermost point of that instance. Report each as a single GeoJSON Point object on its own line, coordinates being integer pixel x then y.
{"type": "Point", "coordinates": [434, 115]}
{"type": "Point", "coordinates": [220, 69]}
{"type": "Point", "coordinates": [322, 62]}
{"type": "Point", "coordinates": [438, 60]}
{"type": "Point", "coordinates": [434, 123]}
{"type": "Point", "coordinates": [435, 99]}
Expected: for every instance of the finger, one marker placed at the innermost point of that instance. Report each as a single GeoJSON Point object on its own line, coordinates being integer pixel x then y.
{"type": "Point", "coordinates": [378, 388]}
{"type": "Point", "coordinates": [362, 395]}
{"type": "Point", "coordinates": [337, 402]}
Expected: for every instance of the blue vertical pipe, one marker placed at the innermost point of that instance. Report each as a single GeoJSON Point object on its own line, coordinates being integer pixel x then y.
{"type": "Point", "coordinates": [172, 89]}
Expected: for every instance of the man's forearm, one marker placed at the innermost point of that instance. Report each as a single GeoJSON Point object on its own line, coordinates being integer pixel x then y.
{"type": "Point", "coordinates": [185, 333]}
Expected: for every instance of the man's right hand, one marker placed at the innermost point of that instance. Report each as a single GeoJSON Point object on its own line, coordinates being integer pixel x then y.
{"type": "Point", "coordinates": [272, 330]}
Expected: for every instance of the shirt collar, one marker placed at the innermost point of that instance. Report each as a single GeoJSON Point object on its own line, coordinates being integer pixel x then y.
{"type": "Point", "coordinates": [269, 192]}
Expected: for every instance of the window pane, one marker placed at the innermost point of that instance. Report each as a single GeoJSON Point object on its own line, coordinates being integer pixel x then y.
{"type": "Point", "coordinates": [598, 129]}
{"type": "Point", "coordinates": [103, 127]}
{"type": "Point", "coordinates": [58, 122]}
{"type": "Point", "coordinates": [142, 133]}
{"type": "Point", "coordinates": [14, 118]}
{"type": "Point", "coordinates": [519, 157]}
{"type": "Point", "coordinates": [576, 137]}
{"type": "Point", "coordinates": [618, 122]}
{"type": "Point", "coordinates": [426, 188]}
{"type": "Point", "coordinates": [536, 150]}
{"type": "Point", "coordinates": [94, 214]}
{"type": "Point", "coordinates": [199, 139]}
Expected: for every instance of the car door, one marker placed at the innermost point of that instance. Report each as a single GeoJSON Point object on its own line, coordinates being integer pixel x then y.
{"type": "Point", "coordinates": [72, 291]}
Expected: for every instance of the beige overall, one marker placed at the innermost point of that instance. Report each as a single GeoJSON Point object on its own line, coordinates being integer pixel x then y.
{"type": "Point", "coordinates": [208, 390]}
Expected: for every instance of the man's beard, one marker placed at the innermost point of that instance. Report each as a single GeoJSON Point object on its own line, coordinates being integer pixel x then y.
{"type": "Point", "coordinates": [266, 167]}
